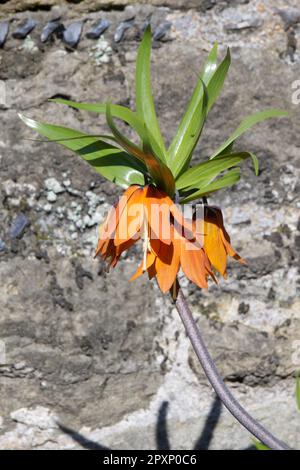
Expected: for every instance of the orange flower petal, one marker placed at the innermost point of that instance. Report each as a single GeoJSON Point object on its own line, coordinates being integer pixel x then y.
{"type": "Point", "coordinates": [158, 215]}
{"type": "Point", "coordinates": [131, 218]}
{"type": "Point", "coordinates": [141, 269]}
{"type": "Point", "coordinates": [230, 251]}
{"type": "Point", "coordinates": [217, 241]}
{"type": "Point", "coordinates": [111, 223]}
{"type": "Point", "coordinates": [152, 271]}
{"type": "Point", "coordinates": [167, 266]}
{"type": "Point", "coordinates": [193, 264]}
{"type": "Point", "coordinates": [160, 209]}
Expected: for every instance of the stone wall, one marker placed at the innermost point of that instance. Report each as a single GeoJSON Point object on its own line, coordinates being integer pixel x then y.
{"type": "Point", "coordinates": [91, 360]}
{"type": "Point", "coordinates": [98, 5]}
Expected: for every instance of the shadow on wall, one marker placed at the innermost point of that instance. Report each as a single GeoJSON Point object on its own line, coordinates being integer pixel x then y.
{"type": "Point", "coordinates": [161, 432]}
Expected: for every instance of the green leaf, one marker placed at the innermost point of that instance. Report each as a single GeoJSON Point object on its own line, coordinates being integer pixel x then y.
{"type": "Point", "coordinates": [230, 178]}
{"type": "Point", "coordinates": [160, 173]}
{"type": "Point", "coordinates": [210, 64]}
{"type": "Point", "coordinates": [246, 124]}
{"type": "Point", "coordinates": [205, 93]}
{"type": "Point", "coordinates": [298, 391]}
{"type": "Point", "coordinates": [227, 150]}
{"type": "Point", "coordinates": [144, 100]}
{"type": "Point", "coordinates": [255, 163]}
{"type": "Point", "coordinates": [108, 160]}
{"type": "Point", "coordinates": [260, 446]}
{"type": "Point", "coordinates": [202, 174]}
{"type": "Point", "coordinates": [189, 130]}
{"type": "Point", "coordinates": [117, 111]}
{"type": "Point", "coordinates": [216, 82]}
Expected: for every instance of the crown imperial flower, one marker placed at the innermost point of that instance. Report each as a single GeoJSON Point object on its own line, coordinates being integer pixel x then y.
{"type": "Point", "coordinates": [170, 240]}
{"type": "Point", "coordinates": [154, 176]}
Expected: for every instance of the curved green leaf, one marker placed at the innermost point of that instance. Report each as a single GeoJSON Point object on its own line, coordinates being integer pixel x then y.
{"type": "Point", "coordinates": [205, 93]}
{"type": "Point", "coordinates": [144, 100]}
{"type": "Point", "coordinates": [210, 64]}
{"type": "Point", "coordinates": [160, 173]}
{"type": "Point", "coordinates": [230, 178]}
{"type": "Point", "coordinates": [202, 174]}
{"type": "Point", "coordinates": [215, 84]}
{"type": "Point", "coordinates": [108, 160]}
{"type": "Point", "coordinates": [227, 149]}
{"type": "Point", "coordinates": [189, 130]}
{"type": "Point", "coordinates": [247, 123]}
{"type": "Point", "coordinates": [119, 112]}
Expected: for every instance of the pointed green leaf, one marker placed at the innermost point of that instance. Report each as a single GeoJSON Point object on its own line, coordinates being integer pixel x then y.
{"type": "Point", "coordinates": [189, 130]}
{"type": "Point", "coordinates": [117, 111]}
{"type": "Point", "coordinates": [228, 149]}
{"type": "Point", "coordinates": [230, 178]}
{"type": "Point", "coordinates": [202, 174]}
{"type": "Point", "coordinates": [247, 123]}
{"type": "Point", "coordinates": [159, 172]}
{"type": "Point", "coordinates": [144, 100]}
{"type": "Point", "coordinates": [216, 82]}
{"type": "Point", "coordinates": [210, 64]}
{"type": "Point", "coordinates": [108, 160]}
{"type": "Point", "coordinates": [204, 95]}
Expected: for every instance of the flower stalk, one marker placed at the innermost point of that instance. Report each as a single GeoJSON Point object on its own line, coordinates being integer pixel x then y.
{"type": "Point", "coordinates": [211, 372]}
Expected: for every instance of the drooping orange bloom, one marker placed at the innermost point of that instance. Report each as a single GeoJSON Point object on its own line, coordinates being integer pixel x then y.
{"type": "Point", "coordinates": [164, 261]}
{"type": "Point", "coordinates": [112, 243]}
{"type": "Point", "coordinates": [217, 241]}
{"type": "Point", "coordinates": [170, 241]}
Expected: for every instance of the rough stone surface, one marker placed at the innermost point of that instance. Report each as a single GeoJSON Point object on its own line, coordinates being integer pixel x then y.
{"type": "Point", "coordinates": [86, 359]}
{"type": "Point", "coordinates": [95, 5]}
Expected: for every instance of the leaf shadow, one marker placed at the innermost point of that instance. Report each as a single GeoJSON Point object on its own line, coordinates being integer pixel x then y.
{"type": "Point", "coordinates": [207, 433]}
{"type": "Point", "coordinates": [161, 430]}
{"type": "Point", "coordinates": [81, 440]}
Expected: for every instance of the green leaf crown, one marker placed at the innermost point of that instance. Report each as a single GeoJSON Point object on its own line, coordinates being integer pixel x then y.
{"type": "Point", "coordinates": [120, 160]}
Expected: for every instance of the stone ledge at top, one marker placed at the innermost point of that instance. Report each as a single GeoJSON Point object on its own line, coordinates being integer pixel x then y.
{"type": "Point", "coordinates": [11, 6]}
